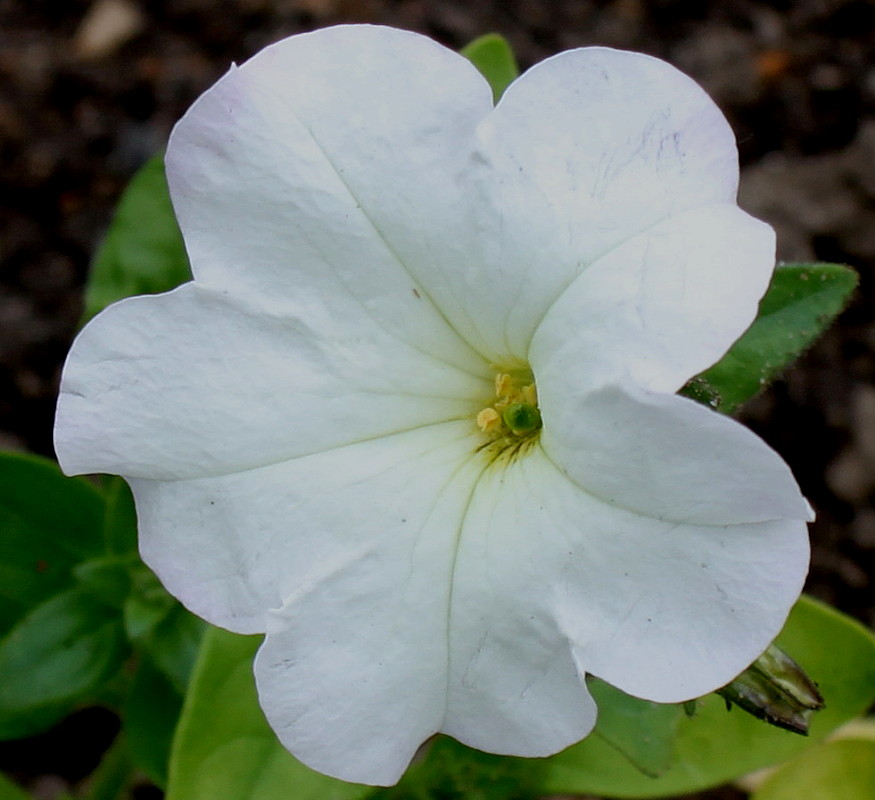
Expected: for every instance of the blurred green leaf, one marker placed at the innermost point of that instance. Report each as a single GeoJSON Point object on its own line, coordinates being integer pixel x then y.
{"type": "Point", "coordinates": [839, 770]}
{"type": "Point", "coordinates": [717, 745]}
{"type": "Point", "coordinates": [48, 523]}
{"type": "Point", "coordinates": [801, 302]}
{"type": "Point", "coordinates": [10, 791]}
{"type": "Point", "coordinates": [643, 732]}
{"type": "Point", "coordinates": [106, 579]}
{"type": "Point", "coordinates": [143, 252]}
{"type": "Point", "coordinates": [223, 746]}
{"type": "Point", "coordinates": [161, 628]}
{"type": "Point", "coordinates": [120, 519]}
{"type": "Point", "coordinates": [174, 645]}
{"type": "Point", "coordinates": [147, 604]}
{"type": "Point", "coordinates": [493, 56]}
{"type": "Point", "coordinates": [150, 714]}
{"type": "Point", "coordinates": [450, 770]}
{"type": "Point", "coordinates": [60, 653]}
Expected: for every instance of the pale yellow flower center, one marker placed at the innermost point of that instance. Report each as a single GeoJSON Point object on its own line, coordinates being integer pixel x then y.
{"type": "Point", "coordinates": [513, 419]}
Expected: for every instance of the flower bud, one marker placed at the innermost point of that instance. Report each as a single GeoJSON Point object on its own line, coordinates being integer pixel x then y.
{"type": "Point", "coordinates": [775, 689]}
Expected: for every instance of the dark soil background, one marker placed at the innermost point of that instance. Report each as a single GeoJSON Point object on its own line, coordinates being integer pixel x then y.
{"type": "Point", "coordinates": [89, 90]}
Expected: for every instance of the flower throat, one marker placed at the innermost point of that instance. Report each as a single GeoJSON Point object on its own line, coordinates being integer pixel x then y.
{"type": "Point", "coordinates": [513, 420]}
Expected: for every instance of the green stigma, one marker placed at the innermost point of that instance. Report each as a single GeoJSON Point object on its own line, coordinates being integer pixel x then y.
{"type": "Point", "coordinates": [512, 423]}
{"type": "Point", "coordinates": [521, 418]}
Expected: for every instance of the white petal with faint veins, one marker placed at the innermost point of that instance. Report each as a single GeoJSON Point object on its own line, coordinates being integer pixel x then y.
{"type": "Point", "coordinates": [194, 383]}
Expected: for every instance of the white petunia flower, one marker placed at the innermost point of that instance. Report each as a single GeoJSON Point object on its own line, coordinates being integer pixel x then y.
{"type": "Point", "coordinates": [415, 417]}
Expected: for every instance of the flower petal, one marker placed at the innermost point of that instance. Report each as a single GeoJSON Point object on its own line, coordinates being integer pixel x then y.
{"type": "Point", "coordinates": [192, 383]}
{"type": "Point", "coordinates": [372, 154]}
{"type": "Point", "coordinates": [233, 546]}
{"type": "Point", "coordinates": [515, 688]}
{"type": "Point", "coordinates": [667, 457]}
{"type": "Point", "coordinates": [585, 150]}
{"type": "Point", "coordinates": [345, 558]}
{"type": "Point", "coordinates": [659, 308]}
{"type": "Point", "coordinates": [326, 167]}
{"type": "Point", "coordinates": [663, 610]}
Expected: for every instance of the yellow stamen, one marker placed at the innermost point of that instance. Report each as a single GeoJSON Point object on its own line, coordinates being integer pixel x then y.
{"type": "Point", "coordinates": [503, 385]}
{"type": "Point", "coordinates": [488, 419]}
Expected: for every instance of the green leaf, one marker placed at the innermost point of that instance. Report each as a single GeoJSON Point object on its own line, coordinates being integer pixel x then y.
{"type": "Point", "coordinates": [223, 745]}
{"type": "Point", "coordinates": [643, 732]}
{"type": "Point", "coordinates": [106, 579]}
{"type": "Point", "coordinates": [161, 628]}
{"type": "Point", "coordinates": [60, 653]}
{"type": "Point", "coordinates": [717, 745]}
{"type": "Point", "coordinates": [802, 300]}
{"type": "Point", "coordinates": [147, 604]}
{"type": "Point", "coordinates": [493, 56]}
{"type": "Point", "coordinates": [48, 523]}
{"type": "Point", "coordinates": [840, 770]}
{"type": "Point", "coordinates": [451, 770]}
{"type": "Point", "coordinates": [10, 791]}
{"type": "Point", "coordinates": [174, 645]}
{"type": "Point", "coordinates": [150, 714]}
{"type": "Point", "coordinates": [120, 520]}
{"type": "Point", "coordinates": [143, 252]}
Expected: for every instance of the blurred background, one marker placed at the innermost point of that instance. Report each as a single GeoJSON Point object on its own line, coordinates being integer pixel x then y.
{"type": "Point", "coordinates": [89, 89]}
